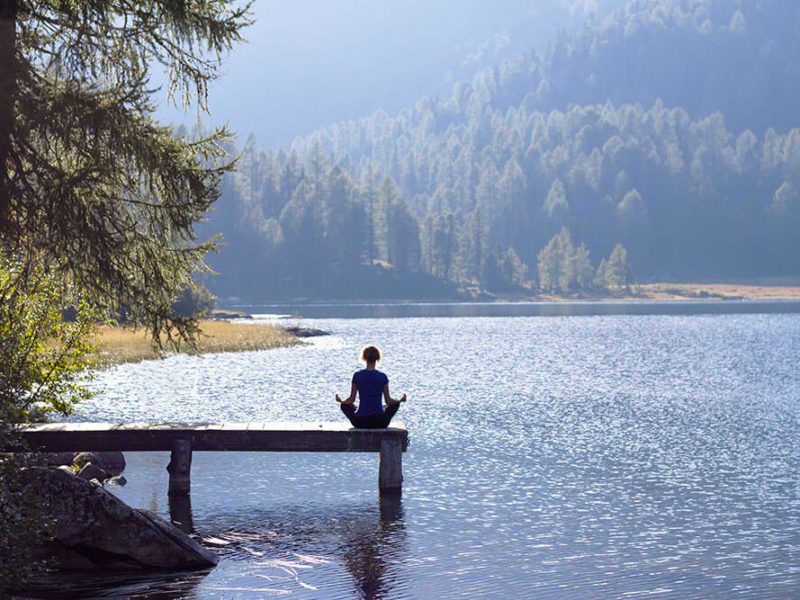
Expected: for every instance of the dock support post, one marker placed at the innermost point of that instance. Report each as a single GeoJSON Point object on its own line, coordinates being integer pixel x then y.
{"type": "Point", "coordinates": [390, 473]}
{"type": "Point", "coordinates": [180, 512]}
{"type": "Point", "coordinates": [179, 467]}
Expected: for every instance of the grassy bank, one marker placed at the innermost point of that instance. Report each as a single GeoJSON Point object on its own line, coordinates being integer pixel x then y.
{"type": "Point", "coordinates": [765, 290]}
{"type": "Point", "coordinates": [121, 345]}
{"type": "Point", "coordinates": [665, 292]}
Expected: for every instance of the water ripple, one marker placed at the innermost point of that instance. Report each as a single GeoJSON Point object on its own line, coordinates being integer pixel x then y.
{"type": "Point", "coordinates": [574, 457]}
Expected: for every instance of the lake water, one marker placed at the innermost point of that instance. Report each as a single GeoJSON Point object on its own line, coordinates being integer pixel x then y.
{"type": "Point", "coordinates": [598, 456]}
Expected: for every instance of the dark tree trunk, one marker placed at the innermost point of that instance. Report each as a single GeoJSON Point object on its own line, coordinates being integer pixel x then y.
{"type": "Point", "coordinates": [8, 38]}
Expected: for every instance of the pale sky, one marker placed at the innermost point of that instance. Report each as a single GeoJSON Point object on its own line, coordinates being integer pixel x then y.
{"type": "Point", "coordinates": [310, 63]}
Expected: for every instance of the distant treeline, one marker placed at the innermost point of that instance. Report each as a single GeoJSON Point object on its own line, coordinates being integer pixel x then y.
{"type": "Point", "coordinates": [471, 191]}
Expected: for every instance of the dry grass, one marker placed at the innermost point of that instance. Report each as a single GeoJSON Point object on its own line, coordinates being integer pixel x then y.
{"type": "Point", "coordinates": [760, 290]}
{"type": "Point", "coordinates": [121, 345]}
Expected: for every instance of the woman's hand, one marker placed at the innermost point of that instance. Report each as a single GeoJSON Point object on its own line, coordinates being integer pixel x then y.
{"type": "Point", "coordinates": [345, 401]}
{"type": "Point", "coordinates": [392, 401]}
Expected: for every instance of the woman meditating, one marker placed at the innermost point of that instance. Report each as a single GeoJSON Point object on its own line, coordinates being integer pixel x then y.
{"type": "Point", "coordinates": [370, 384]}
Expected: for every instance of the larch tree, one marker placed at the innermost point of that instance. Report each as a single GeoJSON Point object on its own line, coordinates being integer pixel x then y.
{"type": "Point", "coordinates": [98, 201]}
{"type": "Point", "coordinates": [91, 186]}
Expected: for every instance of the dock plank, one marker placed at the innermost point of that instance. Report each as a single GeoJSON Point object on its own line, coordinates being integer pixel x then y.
{"type": "Point", "coordinates": [245, 436]}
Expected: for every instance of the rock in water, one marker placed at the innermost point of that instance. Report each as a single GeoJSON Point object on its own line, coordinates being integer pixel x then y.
{"type": "Point", "coordinates": [117, 480]}
{"type": "Point", "coordinates": [94, 527]}
{"type": "Point", "coordinates": [91, 471]}
{"type": "Point", "coordinates": [112, 462]}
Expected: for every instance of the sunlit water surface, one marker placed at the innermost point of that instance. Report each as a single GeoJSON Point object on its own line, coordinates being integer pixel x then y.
{"type": "Point", "coordinates": [551, 457]}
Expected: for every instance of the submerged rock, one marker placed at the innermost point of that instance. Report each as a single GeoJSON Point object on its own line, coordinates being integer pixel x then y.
{"type": "Point", "coordinates": [94, 528]}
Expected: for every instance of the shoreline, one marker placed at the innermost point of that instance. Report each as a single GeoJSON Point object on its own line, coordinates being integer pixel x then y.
{"type": "Point", "coordinates": [646, 292]}
{"type": "Point", "coordinates": [221, 334]}
{"type": "Point", "coordinates": [682, 292]}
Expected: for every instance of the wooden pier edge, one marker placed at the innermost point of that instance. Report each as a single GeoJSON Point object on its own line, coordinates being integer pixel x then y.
{"type": "Point", "coordinates": [181, 439]}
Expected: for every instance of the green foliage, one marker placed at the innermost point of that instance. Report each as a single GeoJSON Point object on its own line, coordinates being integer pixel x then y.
{"type": "Point", "coordinates": [556, 206]}
{"type": "Point", "coordinates": [194, 301]}
{"type": "Point", "coordinates": [599, 280]}
{"type": "Point", "coordinates": [631, 212]}
{"type": "Point", "coordinates": [562, 267]}
{"type": "Point", "coordinates": [21, 524]}
{"type": "Point", "coordinates": [514, 271]}
{"type": "Point", "coordinates": [98, 202]}
{"type": "Point", "coordinates": [565, 268]}
{"type": "Point", "coordinates": [44, 368]}
{"type": "Point", "coordinates": [617, 271]}
{"type": "Point", "coordinates": [442, 238]}
{"type": "Point", "coordinates": [90, 185]}
{"type": "Point", "coordinates": [581, 268]}
{"type": "Point", "coordinates": [43, 358]}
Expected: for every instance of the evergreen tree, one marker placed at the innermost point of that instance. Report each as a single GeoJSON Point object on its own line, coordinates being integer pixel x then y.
{"type": "Point", "coordinates": [556, 206]}
{"type": "Point", "coordinates": [473, 249]}
{"type": "Point", "coordinates": [582, 268]}
{"type": "Point", "coordinates": [369, 195]}
{"type": "Point", "coordinates": [345, 222]}
{"type": "Point", "coordinates": [98, 202]}
{"type": "Point", "coordinates": [631, 214]}
{"type": "Point", "coordinates": [403, 242]}
{"type": "Point", "coordinates": [599, 280]}
{"type": "Point", "coordinates": [443, 246]}
{"type": "Point", "coordinates": [617, 271]}
{"type": "Point", "coordinates": [555, 262]}
{"type": "Point", "coordinates": [562, 267]}
{"type": "Point", "coordinates": [387, 195]}
{"type": "Point", "coordinates": [514, 270]}
{"type": "Point", "coordinates": [90, 184]}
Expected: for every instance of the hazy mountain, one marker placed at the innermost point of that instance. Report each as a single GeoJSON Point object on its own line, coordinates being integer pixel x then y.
{"type": "Point", "coordinates": [577, 138]}
{"type": "Point", "coordinates": [309, 63]}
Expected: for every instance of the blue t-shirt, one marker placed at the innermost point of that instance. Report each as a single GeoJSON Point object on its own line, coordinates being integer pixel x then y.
{"type": "Point", "coordinates": [370, 389]}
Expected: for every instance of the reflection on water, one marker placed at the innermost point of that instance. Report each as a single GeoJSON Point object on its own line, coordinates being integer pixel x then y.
{"type": "Point", "coordinates": [256, 561]}
{"type": "Point", "coordinates": [303, 550]}
{"type": "Point", "coordinates": [152, 585]}
{"type": "Point", "coordinates": [370, 546]}
{"type": "Point", "coordinates": [180, 513]}
{"type": "Point", "coordinates": [558, 457]}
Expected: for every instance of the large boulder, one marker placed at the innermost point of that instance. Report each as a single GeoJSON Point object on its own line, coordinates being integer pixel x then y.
{"type": "Point", "coordinates": [54, 459]}
{"type": "Point", "coordinates": [92, 527]}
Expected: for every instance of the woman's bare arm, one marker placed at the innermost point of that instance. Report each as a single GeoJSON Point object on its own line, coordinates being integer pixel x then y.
{"type": "Point", "coordinates": [351, 398]}
{"type": "Point", "coordinates": [388, 397]}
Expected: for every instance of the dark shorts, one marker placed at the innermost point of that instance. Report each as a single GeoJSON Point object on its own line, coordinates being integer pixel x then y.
{"type": "Point", "coordinates": [372, 421]}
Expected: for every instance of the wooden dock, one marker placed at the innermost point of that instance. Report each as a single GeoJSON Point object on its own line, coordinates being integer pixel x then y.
{"type": "Point", "coordinates": [181, 439]}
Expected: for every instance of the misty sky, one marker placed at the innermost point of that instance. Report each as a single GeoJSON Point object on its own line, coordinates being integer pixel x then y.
{"type": "Point", "coordinates": [309, 63]}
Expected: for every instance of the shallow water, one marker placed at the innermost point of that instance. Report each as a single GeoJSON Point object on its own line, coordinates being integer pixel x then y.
{"type": "Point", "coordinates": [570, 457]}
